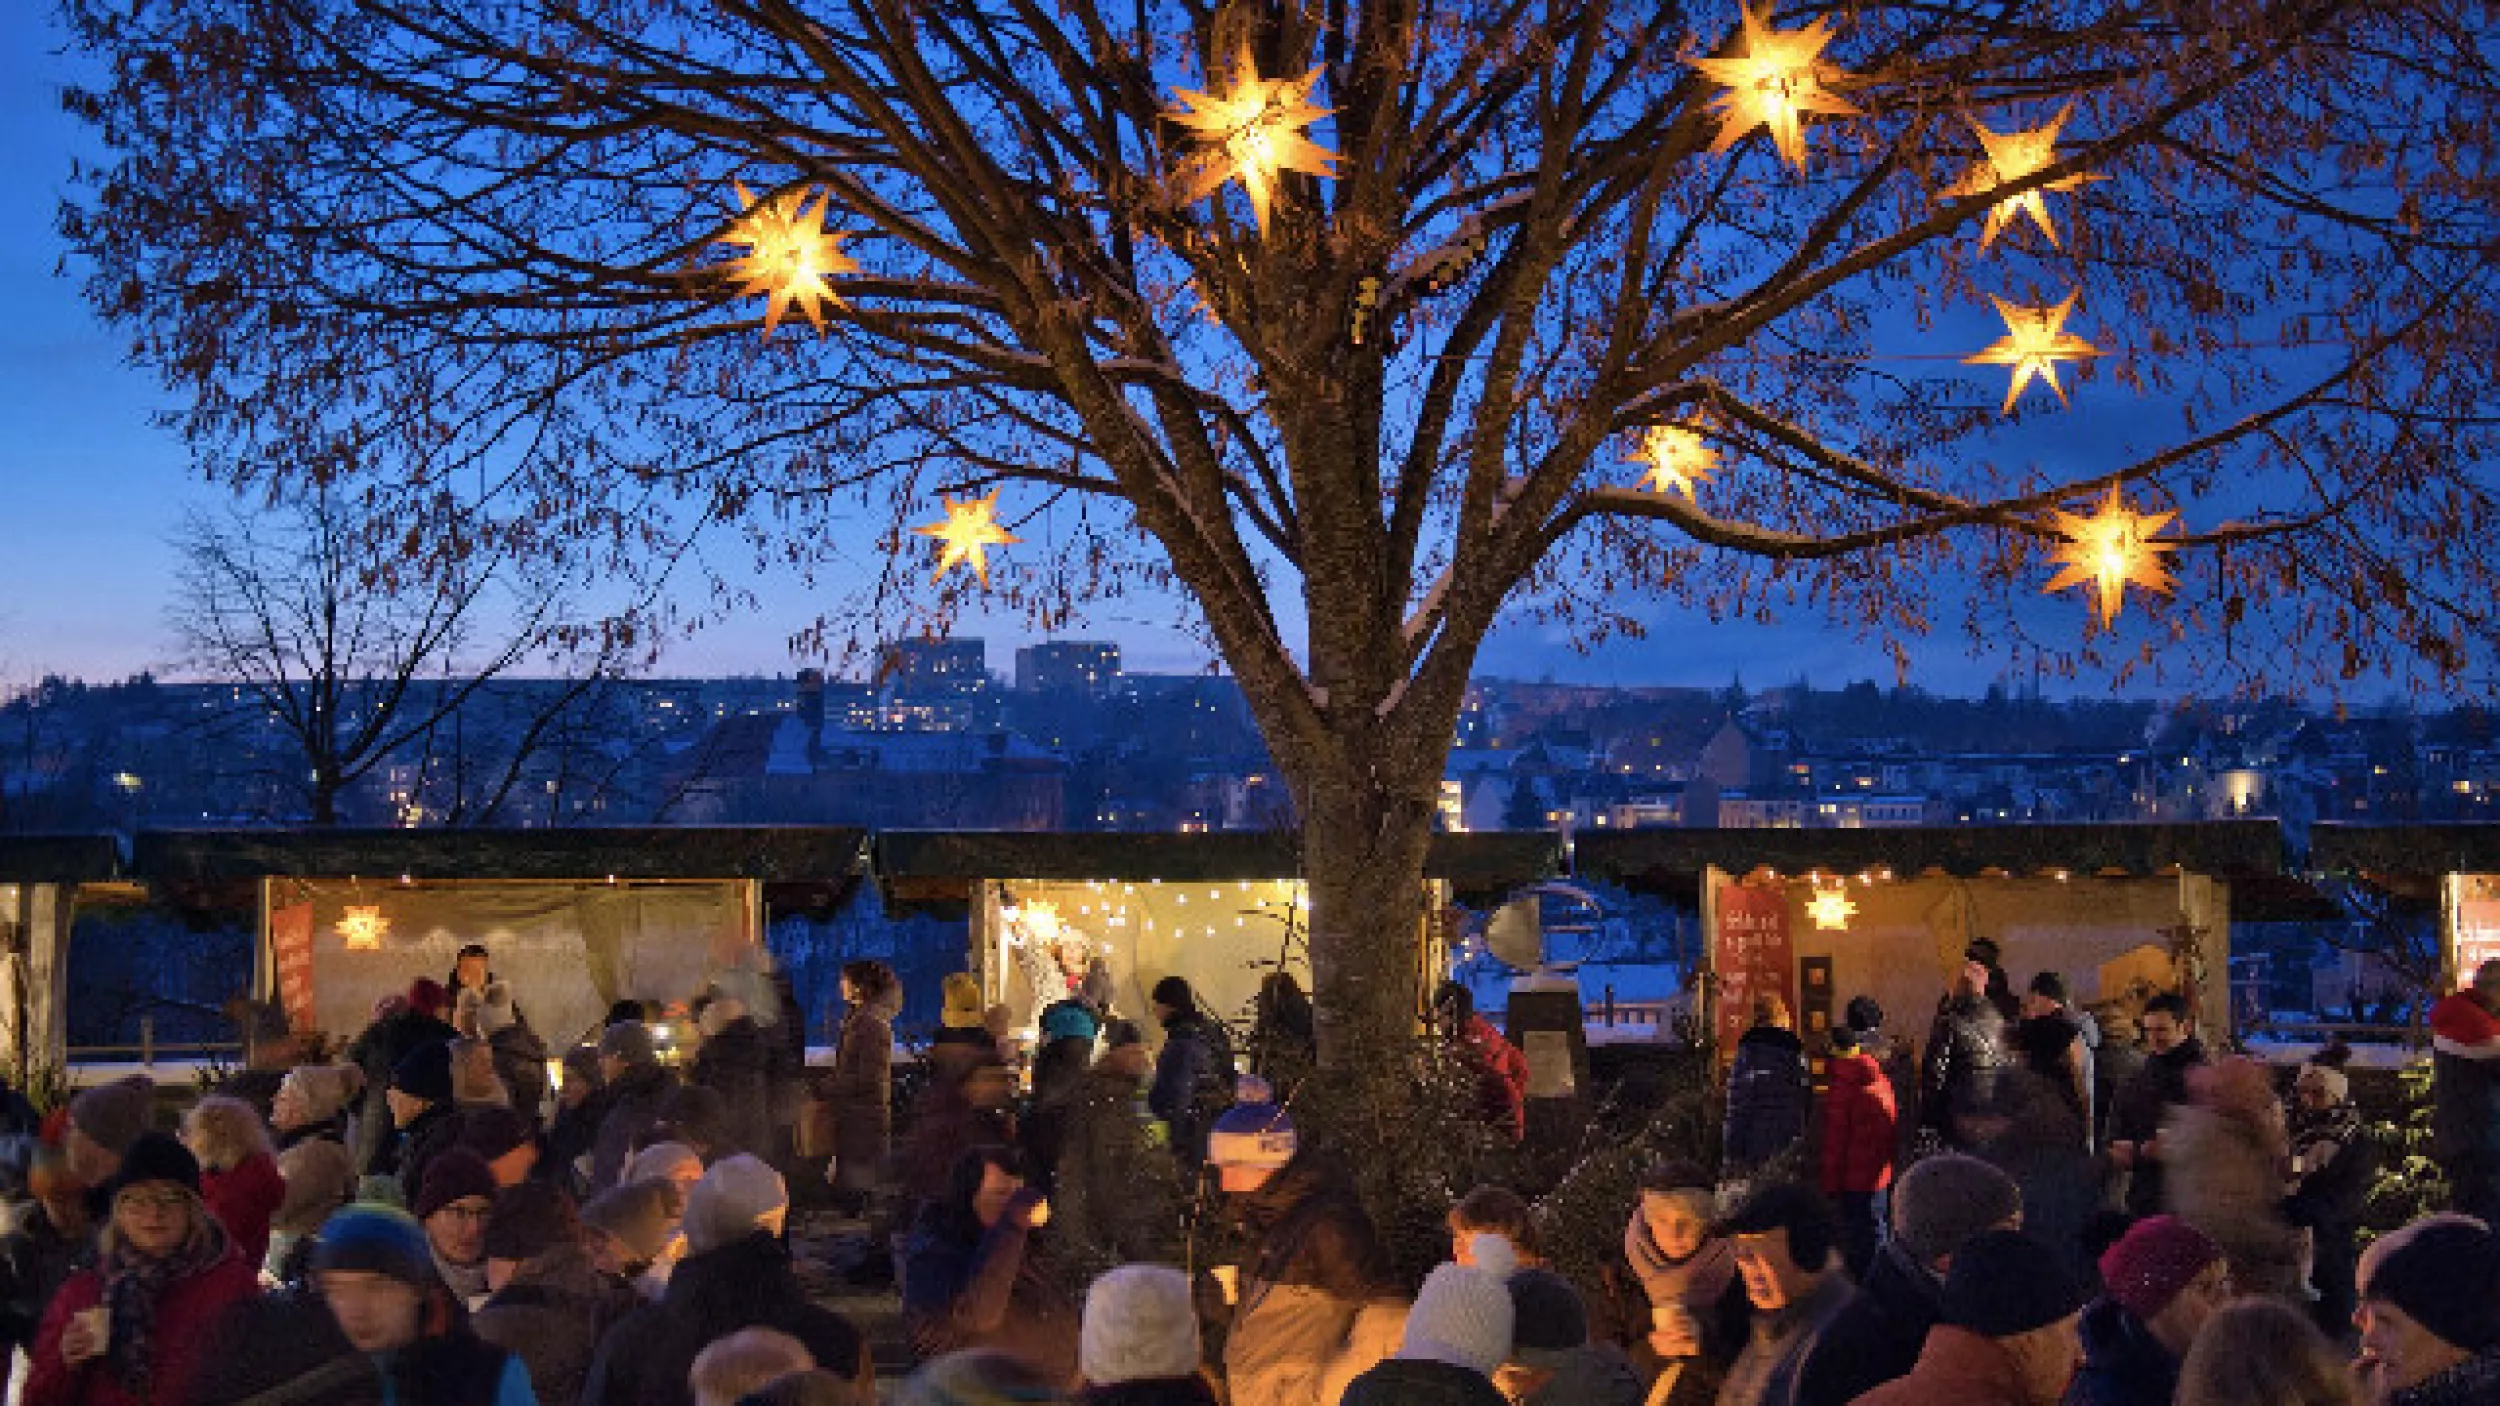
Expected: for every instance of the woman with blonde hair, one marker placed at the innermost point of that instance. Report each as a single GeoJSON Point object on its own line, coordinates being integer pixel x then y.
{"type": "Point", "coordinates": [2262, 1352]}
{"type": "Point", "coordinates": [239, 1176]}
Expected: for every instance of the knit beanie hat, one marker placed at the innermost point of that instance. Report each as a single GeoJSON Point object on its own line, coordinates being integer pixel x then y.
{"type": "Point", "coordinates": [493, 1131]}
{"type": "Point", "coordinates": [320, 1177]}
{"type": "Point", "coordinates": [963, 1009]}
{"type": "Point", "coordinates": [630, 1041]}
{"type": "Point", "coordinates": [1549, 1319]}
{"type": "Point", "coordinates": [732, 1202]}
{"type": "Point", "coordinates": [642, 1216]}
{"type": "Point", "coordinates": [1174, 991]}
{"type": "Point", "coordinates": [1120, 1034]}
{"type": "Point", "coordinates": [1069, 1020]}
{"type": "Point", "coordinates": [494, 1011]}
{"type": "Point", "coordinates": [1139, 1326]}
{"type": "Point", "coordinates": [114, 1115]}
{"type": "Point", "coordinates": [425, 1072]}
{"type": "Point", "coordinates": [2153, 1261]}
{"type": "Point", "coordinates": [2004, 1284]}
{"type": "Point", "coordinates": [1254, 1132]}
{"type": "Point", "coordinates": [375, 1240]}
{"type": "Point", "coordinates": [1463, 1316]}
{"type": "Point", "coordinates": [154, 1156]}
{"type": "Point", "coordinates": [455, 1174]}
{"type": "Point", "coordinates": [664, 1160]}
{"type": "Point", "coordinates": [2446, 1277]}
{"type": "Point", "coordinates": [2337, 1085]}
{"type": "Point", "coordinates": [1865, 1013]}
{"type": "Point", "coordinates": [529, 1220]}
{"type": "Point", "coordinates": [1945, 1200]}
{"type": "Point", "coordinates": [323, 1089]}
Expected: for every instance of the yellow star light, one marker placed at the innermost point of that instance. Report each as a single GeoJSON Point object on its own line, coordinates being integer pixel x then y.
{"type": "Point", "coordinates": [2014, 156]}
{"type": "Point", "coordinates": [966, 534]}
{"type": "Point", "coordinates": [1253, 133]}
{"type": "Point", "coordinates": [2035, 340]}
{"type": "Point", "coordinates": [1779, 78]}
{"type": "Point", "coordinates": [2109, 551]}
{"type": "Point", "coordinates": [791, 257]}
{"type": "Point", "coordinates": [1831, 909]}
{"type": "Point", "coordinates": [362, 928]}
{"type": "Point", "coordinates": [1677, 458]}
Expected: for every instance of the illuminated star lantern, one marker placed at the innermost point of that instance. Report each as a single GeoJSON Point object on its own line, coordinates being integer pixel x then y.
{"type": "Point", "coordinates": [2014, 156]}
{"type": "Point", "coordinates": [2109, 551]}
{"type": "Point", "coordinates": [362, 928]}
{"type": "Point", "coordinates": [2035, 340]}
{"type": "Point", "coordinates": [969, 529]}
{"type": "Point", "coordinates": [1042, 921]}
{"type": "Point", "coordinates": [791, 257]}
{"type": "Point", "coordinates": [1774, 83]}
{"type": "Point", "coordinates": [1677, 458]}
{"type": "Point", "coordinates": [1831, 909]}
{"type": "Point", "coordinates": [1253, 133]}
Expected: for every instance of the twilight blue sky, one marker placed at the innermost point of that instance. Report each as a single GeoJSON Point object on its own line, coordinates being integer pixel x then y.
{"type": "Point", "coordinates": [91, 488]}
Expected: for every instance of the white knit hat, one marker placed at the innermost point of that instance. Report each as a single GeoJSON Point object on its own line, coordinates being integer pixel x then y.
{"type": "Point", "coordinates": [1139, 1327]}
{"type": "Point", "coordinates": [1463, 1317]}
{"type": "Point", "coordinates": [732, 1202]}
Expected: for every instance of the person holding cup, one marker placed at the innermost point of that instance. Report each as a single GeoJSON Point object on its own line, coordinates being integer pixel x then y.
{"type": "Point", "coordinates": [972, 1271]}
{"type": "Point", "coordinates": [129, 1330]}
{"type": "Point", "coordinates": [1698, 1311]}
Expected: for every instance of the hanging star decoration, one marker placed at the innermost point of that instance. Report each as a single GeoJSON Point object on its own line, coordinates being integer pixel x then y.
{"type": "Point", "coordinates": [791, 257]}
{"type": "Point", "coordinates": [2109, 551]}
{"type": "Point", "coordinates": [1676, 456]}
{"type": "Point", "coordinates": [1780, 77]}
{"type": "Point", "coordinates": [2035, 340]}
{"type": "Point", "coordinates": [1830, 908]}
{"type": "Point", "coordinates": [965, 535]}
{"type": "Point", "coordinates": [362, 928]}
{"type": "Point", "coordinates": [2014, 156]}
{"type": "Point", "coordinates": [1252, 132]}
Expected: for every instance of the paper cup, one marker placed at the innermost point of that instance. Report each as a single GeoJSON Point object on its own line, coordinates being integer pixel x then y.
{"type": "Point", "coordinates": [1228, 1279]}
{"type": "Point", "coordinates": [1041, 1213]}
{"type": "Point", "coordinates": [98, 1322]}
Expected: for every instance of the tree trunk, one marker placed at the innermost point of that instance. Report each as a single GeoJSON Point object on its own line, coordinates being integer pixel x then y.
{"type": "Point", "coordinates": [1363, 856]}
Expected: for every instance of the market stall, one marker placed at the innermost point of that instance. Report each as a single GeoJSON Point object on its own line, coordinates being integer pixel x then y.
{"type": "Point", "coordinates": [40, 880]}
{"type": "Point", "coordinates": [2457, 866]}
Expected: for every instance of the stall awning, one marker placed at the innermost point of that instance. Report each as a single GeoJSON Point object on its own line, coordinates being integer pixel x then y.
{"type": "Point", "coordinates": [940, 866]}
{"type": "Point", "coordinates": [59, 859]}
{"type": "Point", "coordinates": [1672, 861]}
{"type": "Point", "coordinates": [774, 854]}
{"type": "Point", "coordinates": [2424, 851]}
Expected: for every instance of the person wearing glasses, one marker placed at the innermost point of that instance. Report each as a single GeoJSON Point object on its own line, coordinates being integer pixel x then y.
{"type": "Point", "coordinates": [453, 1204]}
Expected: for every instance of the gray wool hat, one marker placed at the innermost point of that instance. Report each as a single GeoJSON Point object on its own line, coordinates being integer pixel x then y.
{"type": "Point", "coordinates": [1947, 1199]}
{"type": "Point", "coordinates": [114, 1115]}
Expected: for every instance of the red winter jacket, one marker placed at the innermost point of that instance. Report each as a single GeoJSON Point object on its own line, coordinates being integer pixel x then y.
{"type": "Point", "coordinates": [1858, 1121]}
{"type": "Point", "coordinates": [183, 1318]}
{"type": "Point", "coordinates": [243, 1198]}
{"type": "Point", "coordinates": [1501, 1077]}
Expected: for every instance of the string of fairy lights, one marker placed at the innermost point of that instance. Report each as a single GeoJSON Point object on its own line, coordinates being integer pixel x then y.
{"type": "Point", "coordinates": [1251, 131]}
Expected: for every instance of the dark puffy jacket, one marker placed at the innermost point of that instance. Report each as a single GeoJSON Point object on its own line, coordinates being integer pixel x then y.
{"type": "Point", "coordinates": [1877, 1336]}
{"type": "Point", "coordinates": [741, 1063]}
{"type": "Point", "coordinates": [552, 1316]}
{"type": "Point", "coordinates": [860, 1089]}
{"type": "Point", "coordinates": [521, 1063]}
{"type": "Point", "coordinates": [1193, 1079]}
{"type": "Point", "coordinates": [2122, 1365]}
{"type": "Point", "coordinates": [1965, 1050]}
{"type": "Point", "coordinates": [36, 1259]}
{"type": "Point", "coordinates": [1767, 1097]}
{"type": "Point", "coordinates": [633, 1106]}
{"type": "Point", "coordinates": [1858, 1126]}
{"type": "Point", "coordinates": [1401, 1383]}
{"type": "Point", "coordinates": [1112, 1194]}
{"type": "Point", "coordinates": [644, 1359]}
{"type": "Point", "coordinates": [2136, 1113]}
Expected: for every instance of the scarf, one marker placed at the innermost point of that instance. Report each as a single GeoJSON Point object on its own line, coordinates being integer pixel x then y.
{"type": "Point", "coordinates": [2317, 1134]}
{"type": "Point", "coordinates": [136, 1283]}
{"type": "Point", "coordinates": [1696, 1282]}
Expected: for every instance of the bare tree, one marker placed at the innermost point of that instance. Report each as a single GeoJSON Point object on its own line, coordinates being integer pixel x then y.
{"type": "Point", "coordinates": [521, 242]}
{"type": "Point", "coordinates": [337, 642]}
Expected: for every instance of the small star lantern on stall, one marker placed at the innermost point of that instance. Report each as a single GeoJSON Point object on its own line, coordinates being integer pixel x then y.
{"type": "Point", "coordinates": [2109, 551]}
{"type": "Point", "coordinates": [2035, 340]}
{"type": "Point", "coordinates": [1780, 77]}
{"type": "Point", "coordinates": [1676, 456]}
{"type": "Point", "coordinates": [362, 928]}
{"type": "Point", "coordinates": [2014, 156]}
{"type": "Point", "coordinates": [1830, 908]}
{"type": "Point", "coordinates": [1252, 132]}
{"type": "Point", "coordinates": [791, 257]}
{"type": "Point", "coordinates": [965, 535]}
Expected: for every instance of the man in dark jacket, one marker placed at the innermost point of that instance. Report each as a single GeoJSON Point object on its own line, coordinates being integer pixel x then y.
{"type": "Point", "coordinates": [2053, 1042]}
{"type": "Point", "coordinates": [1193, 1075]}
{"type": "Point", "coordinates": [423, 1119]}
{"type": "Point", "coordinates": [1787, 1252]}
{"type": "Point", "coordinates": [1965, 1049]}
{"type": "Point", "coordinates": [1114, 1191]}
{"type": "Point", "coordinates": [2162, 1280]}
{"type": "Point", "coordinates": [1938, 1206]}
{"type": "Point", "coordinates": [742, 1062]}
{"type": "Point", "coordinates": [629, 1065]}
{"type": "Point", "coordinates": [2135, 1115]}
{"type": "Point", "coordinates": [736, 1276]}
{"type": "Point", "coordinates": [410, 1023]}
{"type": "Point", "coordinates": [1767, 1093]}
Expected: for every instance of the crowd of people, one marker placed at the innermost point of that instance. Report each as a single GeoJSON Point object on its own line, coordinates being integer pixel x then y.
{"type": "Point", "coordinates": [2035, 1206]}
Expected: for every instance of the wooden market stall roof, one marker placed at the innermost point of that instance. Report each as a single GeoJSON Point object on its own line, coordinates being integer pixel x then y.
{"type": "Point", "coordinates": [937, 866]}
{"type": "Point", "coordinates": [1672, 860]}
{"type": "Point", "coordinates": [774, 854]}
{"type": "Point", "coordinates": [2421, 851]}
{"type": "Point", "coordinates": [59, 859]}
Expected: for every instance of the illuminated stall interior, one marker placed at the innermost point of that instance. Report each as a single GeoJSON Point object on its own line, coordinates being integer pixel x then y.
{"type": "Point", "coordinates": [1049, 940]}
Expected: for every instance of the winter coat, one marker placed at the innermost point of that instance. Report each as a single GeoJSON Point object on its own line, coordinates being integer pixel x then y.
{"type": "Point", "coordinates": [2473, 1382]}
{"type": "Point", "coordinates": [1965, 1050]}
{"type": "Point", "coordinates": [551, 1315]}
{"type": "Point", "coordinates": [454, 1368]}
{"type": "Point", "coordinates": [1160, 1391]}
{"type": "Point", "coordinates": [377, 1052]}
{"type": "Point", "coordinates": [2122, 1364]}
{"type": "Point", "coordinates": [2328, 1203]}
{"type": "Point", "coordinates": [282, 1350]}
{"type": "Point", "coordinates": [1768, 1097]}
{"type": "Point", "coordinates": [521, 1063]}
{"type": "Point", "coordinates": [1707, 1287]}
{"type": "Point", "coordinates": [1193, 1081]}
{"type": "Point", "coordinates": [967, 1288]}
{"type": "Point", "coordinates": [1876, 1336]}
{"type": "Point", "coordinates": [1858, 1126]}
{"type": "Point", "coordinates": [243, 1198]}
{"type": "Point", "coordinates": [2136, 1113]}
{"type": "Point", "coordinates": [1314, 1271]}
{"type": "Point", "coordinates": [1113, 1195]}
{"type": "Point", "coordinates": [1588, 1376]}
{"type": "Point", "coordinates": [2461, 1083]}
{"type": "Point", "coordinates": [633, 1106]}
{"type": "Point", "coordinates": [1766, 1372]}
{"type": "Point", "coordinates": [1398, 1382]}
{"type": "Point", "coordinates": [1500, 1073]}
{"type": "Point", "coordinates": [36, 1259]}
{"type": "Point", "coordinates": [861, 1089]}
{"type": "Point", "coordinates": [1956, 1366]}
{"type": "Point", "coordinates": [741, 1063]}
{"type": "Point", "coordinates": [405, 1150]}
{"type": "Point", "coordinates": [2056, 1047]}
{"type": "Point", "coordinates": [1044, 1126]}
{"type": "Point", "coordinates": [2225, 1177]}
{"type": "Point", "coordinates": [2113, 1067]}
{"type": "Point", "coordinates": [571, 1135]}
{"type": "Point", "coordinates": [644, 1359]}
{"type": "Point", "coordinates": [944, 1125]}
{"type": "Point", "coordinates": [2039, 1147]}
{"type": "Point", "coordinates": [183, 1318]}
